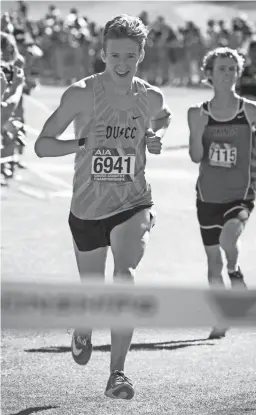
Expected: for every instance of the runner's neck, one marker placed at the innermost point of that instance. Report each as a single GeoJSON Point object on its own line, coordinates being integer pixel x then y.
{"type": "Point", "coordinates": [113, 88]}
{"type": "Point", "coordinates": [224, 100]}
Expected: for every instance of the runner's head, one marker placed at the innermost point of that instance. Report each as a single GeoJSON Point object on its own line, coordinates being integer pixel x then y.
{"type": "Point", "coordinates": [222, 67]}
{"type": "Point", "coordinates": [124, 38]}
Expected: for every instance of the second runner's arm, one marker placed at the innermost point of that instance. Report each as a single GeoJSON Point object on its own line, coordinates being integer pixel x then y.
{"type": "Point", "coordinates": [161, 113]}
{"type": "Point", "coordinates": [251, 114]}
{"type": "Point", "coordinates": [160, 118]}
{"type": "Point", "coordinates": [196, 123]}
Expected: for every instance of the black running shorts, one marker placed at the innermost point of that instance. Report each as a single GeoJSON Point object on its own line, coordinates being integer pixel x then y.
{"type": "Point", "coordinates": [92, 234]}
{"type": "Point", "coordinates": [213, 216]}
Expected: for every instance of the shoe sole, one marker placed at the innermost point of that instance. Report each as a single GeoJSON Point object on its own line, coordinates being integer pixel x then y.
{"type": "Point", "coordinates": [221, 336]}
{"type": "Point", "coordinates": [83, 358]}
{"type": "Point", "coordinates": [217, 334]}
{"type": "Point", "coordinates": [120, 392]}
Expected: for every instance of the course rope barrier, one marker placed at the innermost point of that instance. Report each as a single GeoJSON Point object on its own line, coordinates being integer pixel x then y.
{"type": "Point", "coordinates": [36, 305]}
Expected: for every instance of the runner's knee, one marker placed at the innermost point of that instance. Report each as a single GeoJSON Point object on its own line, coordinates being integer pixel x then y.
{"type": "Point", "coordinates": [129, 241]}
{"type": "Point", "coordinates": [127, 258]}
{"type": "Point", "coordinates": [230, 233]}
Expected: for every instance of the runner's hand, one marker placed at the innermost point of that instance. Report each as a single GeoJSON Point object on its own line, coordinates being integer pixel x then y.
{"type": "Point", "coordinates": [153, 142]}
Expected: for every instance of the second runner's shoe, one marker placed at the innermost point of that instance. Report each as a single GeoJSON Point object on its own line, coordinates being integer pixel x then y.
{"type": "Point", "coordinates": [217, 333]}
{"type": "Point", "coordinates": [237, 279]}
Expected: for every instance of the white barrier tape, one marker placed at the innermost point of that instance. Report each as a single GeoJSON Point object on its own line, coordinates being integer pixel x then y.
{"type": "Point", "coordinates": [31, 305]}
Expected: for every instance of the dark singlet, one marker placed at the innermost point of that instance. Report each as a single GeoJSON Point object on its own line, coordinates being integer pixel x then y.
{"type": "Point", "coordinates": [228, 167]}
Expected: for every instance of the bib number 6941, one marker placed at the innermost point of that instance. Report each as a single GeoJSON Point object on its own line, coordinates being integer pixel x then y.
{"type": "Point", "coordinates": [112, 165]}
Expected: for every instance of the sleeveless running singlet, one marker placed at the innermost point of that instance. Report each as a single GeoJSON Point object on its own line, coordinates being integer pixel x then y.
{"type": "Point", "coordinates": [111, 179]}
{"type": "Point", "coordinates": [228, 164]}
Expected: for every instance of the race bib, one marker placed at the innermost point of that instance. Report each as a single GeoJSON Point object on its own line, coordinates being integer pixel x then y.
{"type": "Point", "coordinates": [113, 164]}
{"type": "Point", "coordinates": [222, 155]}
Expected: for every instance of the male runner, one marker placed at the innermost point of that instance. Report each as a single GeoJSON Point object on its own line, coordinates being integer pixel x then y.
{"type": "Point", "coordinates": [222, 140]}
{"type": "Point", "coordinates": [116, 115]}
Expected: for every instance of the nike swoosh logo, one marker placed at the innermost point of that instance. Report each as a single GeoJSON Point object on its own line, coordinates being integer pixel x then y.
{"type": "Point", "coordinates": [75, 350]}
{"type": "Point", "coordinates": [135, 118]}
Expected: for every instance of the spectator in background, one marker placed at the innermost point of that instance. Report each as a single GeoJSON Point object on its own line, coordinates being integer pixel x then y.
{"type": "Point", "coordinates": [98, 64]}
{"type": "Point", "coordinates": [171, 56]}
{"type": "Point", "coordinates": [223, 34]}
{"type": "Point", "coordinates": [53, 43]}
{"type": "Point", "coordinates": [247, 86]}
{"type": "Point", "coordinates": [6, 24]}
{"type": "Point", "coordinates": [144, 18]}
{"type": "Point", "coordinates": [79, 40]}
{"type": "Point", "coordinates": [10, 130]}
{"type": "Point", "coordinates": [194, 51]}
{"type": "Point", "coordinates": [4, 85]}
{"type": "Point", "coordinates": [29, 53]}
{"type": "Point", "coordinates": [4, 82]}
{"type": "Point", "coordinates": [211, 37]}
{"type": "Point", "coordinates": [53, 13]}
{"type": "Point", "coordinates": [237, 34]}
{"type": "Point", "coordinates": [160, 36]}
{"type": "Point", "coordinates": [23, 9]}
{"type": "Point", "coordinates": [165, 45]}
{"type": "Point", "coordinates": [178, 73]}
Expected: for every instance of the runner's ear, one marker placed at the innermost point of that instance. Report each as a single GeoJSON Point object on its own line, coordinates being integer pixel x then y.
{"type": "Point", "coordinates": [103, 56]}
{"type": "Point", "coordinates": [142, 55]}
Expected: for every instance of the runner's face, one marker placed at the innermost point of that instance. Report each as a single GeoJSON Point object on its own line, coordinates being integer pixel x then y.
{"type": "Point", "coordinates": [224, 75]}
{"type": "Point", "coordinates": [122, 57]}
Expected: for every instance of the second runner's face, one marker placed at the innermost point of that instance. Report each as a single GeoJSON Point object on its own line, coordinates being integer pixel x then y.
{"type": "Point", "coordinates": [122, 57]}
{"type": "Point", "coordinates": [224, 74]}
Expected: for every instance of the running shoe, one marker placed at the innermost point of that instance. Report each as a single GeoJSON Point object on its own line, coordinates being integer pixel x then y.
{"type": "Point", "coordinates": [119, 386]}
{"type": "Point", "coordinates": [217, 333]}
{"type": "Point", "coordinates": [237, 279]}
{"type": "Point", "coordinates": [81, 348]}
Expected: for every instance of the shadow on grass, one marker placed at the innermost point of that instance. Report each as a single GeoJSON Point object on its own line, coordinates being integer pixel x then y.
{"type": "Point", "coordinates": [34, 410]}
{"type": "Point", "coordinates": [172, 345]}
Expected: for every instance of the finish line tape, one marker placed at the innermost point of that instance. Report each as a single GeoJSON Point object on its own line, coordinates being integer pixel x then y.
{"type": "Point", "coordinates": [32, 305]}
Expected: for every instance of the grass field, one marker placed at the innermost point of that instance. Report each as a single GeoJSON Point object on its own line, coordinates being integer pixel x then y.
{"type": "Point", "coordinates": [176, 372]}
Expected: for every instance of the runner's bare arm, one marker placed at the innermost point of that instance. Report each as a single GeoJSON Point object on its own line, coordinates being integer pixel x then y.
{"type": "Point", "coordinates": [196, 123]}
{"type": "Point", "coordinates": [48, 143]}
{"type": "Point", "coordinates": [159, 111]}
{"type": "Point", "coordinates": [250, 108]}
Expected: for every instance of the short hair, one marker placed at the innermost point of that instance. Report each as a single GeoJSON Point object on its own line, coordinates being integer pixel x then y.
{"type": "Point", "coordinates": [210, 57]}
{"type": "Point", "coordinates": [125, 26]}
